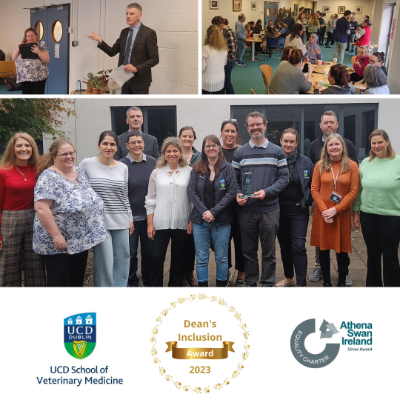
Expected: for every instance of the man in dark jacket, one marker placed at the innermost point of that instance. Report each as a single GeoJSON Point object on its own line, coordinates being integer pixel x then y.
{"type": "Point", "coordinates": [262, 174]}
{"type": "Point", "coordinates": [341, 34]}
{"type": "Point", "coordinates": [134, 119]}
{"type": "Point", "coordinates": [289, 21]}
{"type": "Point", "coordinates": [328, 125]}
{"type": "Point", "coordinates": [137, 48]}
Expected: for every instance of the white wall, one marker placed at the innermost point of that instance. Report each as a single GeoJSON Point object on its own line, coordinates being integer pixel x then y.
{"type": "Point", "coordinates": [176, 24]}
{"type": "Point", "coordinates": [349, 4]}
{"type": "Point", "coordinates": [225, 10]}
{"type": "Point", "coordinates": [205, 115]}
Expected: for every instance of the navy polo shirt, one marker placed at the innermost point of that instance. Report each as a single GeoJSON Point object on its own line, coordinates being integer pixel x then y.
{"type": "Point", "coordinates": [342, 25]}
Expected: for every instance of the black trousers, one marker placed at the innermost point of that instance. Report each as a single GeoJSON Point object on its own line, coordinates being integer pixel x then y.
{"type": "Point", "coordinates": [322, 36]}
{"type": "Point", "coordinates": [343, 262]}
{"type": "Point", "coordinates": [33, 87]}
{"type": "Point", "coordinates": [222, 91]}
{"type": "Point", "coordinates": [66, 270]}
{"type": "Point", "coordinates": [235, 235]}
{"type": "Point", "coordinates": [178, 239]}
{"type": "Point", "coordinates": [189, 254]}
{"type": "Point", "coordinates": [382, 236]}
{"type": "Point", "coordinates": [329, 40]}
{"type": "Point", "coordinates": [354, 77]}
{"type": "Point", "coordinates": [128, 88]}
{"type": "Point", "coordinates": [293, 224]}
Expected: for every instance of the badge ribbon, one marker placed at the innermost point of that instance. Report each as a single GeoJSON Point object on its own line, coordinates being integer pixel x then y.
{"type": "Point", "coordinates": [198, 353]}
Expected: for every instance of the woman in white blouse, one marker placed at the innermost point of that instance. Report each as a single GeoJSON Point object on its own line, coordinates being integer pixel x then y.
{"type": "Point", "coordinates": [215, 57]}
{"type": "Point", "coordinates": [168, 210]}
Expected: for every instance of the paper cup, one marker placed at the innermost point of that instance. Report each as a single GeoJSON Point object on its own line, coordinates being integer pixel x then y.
{"type": "Point", "coordinates": [319, 62]}
{"type": "Point", "coordinates": [326, 73]}
{"type": "Point", "coordinates": [335, 60]}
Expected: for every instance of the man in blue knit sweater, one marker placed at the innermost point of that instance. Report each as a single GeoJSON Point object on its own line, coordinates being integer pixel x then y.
{"type": "Point", "coordinates": [261, 168]}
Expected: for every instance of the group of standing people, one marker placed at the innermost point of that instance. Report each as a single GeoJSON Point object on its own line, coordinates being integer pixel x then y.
{"type": "Point", "coordinates": [54, 212]}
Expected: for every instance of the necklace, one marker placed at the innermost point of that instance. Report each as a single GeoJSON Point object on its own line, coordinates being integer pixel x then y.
{"type": "Point", "coordinates": [24, 176]}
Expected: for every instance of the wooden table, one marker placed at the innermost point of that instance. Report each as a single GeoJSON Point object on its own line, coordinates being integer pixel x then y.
{"type": "Point", "coordinates": [318, 76]}
{"type": "Point", "coordinates": [253, 41]}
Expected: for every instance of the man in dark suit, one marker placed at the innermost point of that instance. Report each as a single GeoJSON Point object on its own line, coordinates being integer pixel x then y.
{"type": "Point", "coordinates": [137, 48]}
{"type": "Point", "coordinates": [134, 119]}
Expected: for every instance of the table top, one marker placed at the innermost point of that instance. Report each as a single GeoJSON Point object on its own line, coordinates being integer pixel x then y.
{"type": "Point", "coordinates": [253, 40]}
{"type": "Point", "coordinates": [319, 76]}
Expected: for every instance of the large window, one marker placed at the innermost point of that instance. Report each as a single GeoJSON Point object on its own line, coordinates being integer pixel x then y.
{"type": "Point", "coordinates": [158, 121]}
{"type": "Point", "coordinates": [356, 122]}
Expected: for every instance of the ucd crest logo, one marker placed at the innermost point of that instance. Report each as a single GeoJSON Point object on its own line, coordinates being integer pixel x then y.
{"type": "Point", "coordinates": [80, 335]}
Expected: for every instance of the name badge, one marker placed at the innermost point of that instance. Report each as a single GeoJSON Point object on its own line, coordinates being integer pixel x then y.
{"type": "Point", "coordinates": [335, 197]}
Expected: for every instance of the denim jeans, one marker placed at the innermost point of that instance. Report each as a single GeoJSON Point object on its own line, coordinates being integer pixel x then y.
{"type": "Point", "coordinates": [228, 73]}
{"type": "Point", "coordinates": [339, 51]}
{"type": "Point", "coordinates": [111, 260]}
{"type": "Point", "coordinates": [146, 247]}
{"type": "Point", "coordinates": [220, 236]}
{"type": "Point", "coordinates": [241, 47]}
{"type": "Point", "coordinates": [293, 224]}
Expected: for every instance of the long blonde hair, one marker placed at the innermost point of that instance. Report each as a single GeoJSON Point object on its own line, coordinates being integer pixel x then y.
{"type": "Point", "coordinates": [174, 141]}
{"type": "Point", "coordinates": [46, 161]}
{"type": "Point", "coordinates": [215, 39]}
{"type": "Point", "coordinates": [325, 161]}
{"type": "Point", "coordinates": [9, 158]}
{"type": "Point", "coordinates": [390, 152]}
{"type": "Point", "coordinates": [314, 19]}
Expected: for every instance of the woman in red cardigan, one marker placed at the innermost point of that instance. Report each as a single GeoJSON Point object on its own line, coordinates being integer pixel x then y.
{"type": "Point", "coordinates": [17, 181]}
{"type": "Point", "coordinates": [360, 62]}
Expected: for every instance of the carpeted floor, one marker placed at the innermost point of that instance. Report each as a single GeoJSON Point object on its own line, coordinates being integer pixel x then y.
{"type": "Point", "coordinates": [249, 77]}
{"type": "Point", "coordinates": [3, 89]}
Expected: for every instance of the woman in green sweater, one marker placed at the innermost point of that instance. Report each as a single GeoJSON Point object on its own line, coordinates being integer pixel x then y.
{"type": "Point", "coordinates": [379, 202]}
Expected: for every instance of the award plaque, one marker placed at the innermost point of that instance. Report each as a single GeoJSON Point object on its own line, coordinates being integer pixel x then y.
{"type": "Point", "coordinates": [247, 186]}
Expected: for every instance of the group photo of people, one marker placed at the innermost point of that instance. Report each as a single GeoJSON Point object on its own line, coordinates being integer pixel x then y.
{"type": "Point", "coordinates": [152, 214]}
{"type": "Point", "coordinates": [295, 51]}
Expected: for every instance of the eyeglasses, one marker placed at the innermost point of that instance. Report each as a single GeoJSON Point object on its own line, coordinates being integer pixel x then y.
{"type": "Point", "coordinates": [255, 125]}
{"type": "Point", "coordinates": [133, 143]}
{"type": "Point", "coordinates": [211, 146]}
{"type": "Point", "coordinates": [65, 155]}
{"type": "Point", "coordinates": [372, 61]}
{"type": "Point", "coordinates": [230, 120]}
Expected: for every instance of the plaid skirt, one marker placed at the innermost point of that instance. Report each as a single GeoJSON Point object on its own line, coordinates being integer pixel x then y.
{"type": "Point", "coordinates": [17, 255]}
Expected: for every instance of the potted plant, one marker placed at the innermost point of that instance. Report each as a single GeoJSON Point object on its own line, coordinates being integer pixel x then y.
{"type": "Point", "coordinates": [90, 77]}
{"type": "Point", "coordinates": [97, 85]}
{"type": "Point", "coordinates": [105, 76]}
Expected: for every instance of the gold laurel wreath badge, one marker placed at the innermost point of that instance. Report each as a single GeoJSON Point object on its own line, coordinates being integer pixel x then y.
{"type": "Point", "coordinates": [211, 299]}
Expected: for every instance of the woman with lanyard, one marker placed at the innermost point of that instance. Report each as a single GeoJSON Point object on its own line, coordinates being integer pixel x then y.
{"type": "Point", "coordinates": [334, 188]}
{"type": "Point", "coordinates": [168, 211]}
{"type": "Point", "coordinates": [212, 189]}
{"type": "Point", "coordinates": [187, 136]}
{"type": "Point", "coordinates": [229, 134]}
{"type": "Point", "coordinates": [294, 201]}
{"type": "Point", "coordinates": [18, 170]}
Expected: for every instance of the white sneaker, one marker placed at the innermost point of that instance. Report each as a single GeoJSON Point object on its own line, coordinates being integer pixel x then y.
{"type": "Point", "coordinates": [316, 275]}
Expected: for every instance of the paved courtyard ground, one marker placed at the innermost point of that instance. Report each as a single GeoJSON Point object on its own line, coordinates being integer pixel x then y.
{"type": "Point", "coordinates": [358, 265]}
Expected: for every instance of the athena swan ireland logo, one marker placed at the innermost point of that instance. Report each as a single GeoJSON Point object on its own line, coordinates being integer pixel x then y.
{"type": "Point", "coordinates": [302, 355]}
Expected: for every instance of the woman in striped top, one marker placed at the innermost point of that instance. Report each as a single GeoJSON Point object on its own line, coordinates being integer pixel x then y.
{"type": "Point", "coordinates": [109, 179]}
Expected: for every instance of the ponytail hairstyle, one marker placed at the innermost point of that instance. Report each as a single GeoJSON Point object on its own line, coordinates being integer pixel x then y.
{"type": "Point", "coordinates": [379, 55]}
{"type": "Point", "coordinates": [340, 74]}
{"type": "Point", "coordinates": [295, 56]}
{"type": "Point", "coordinates": [297, 28]}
